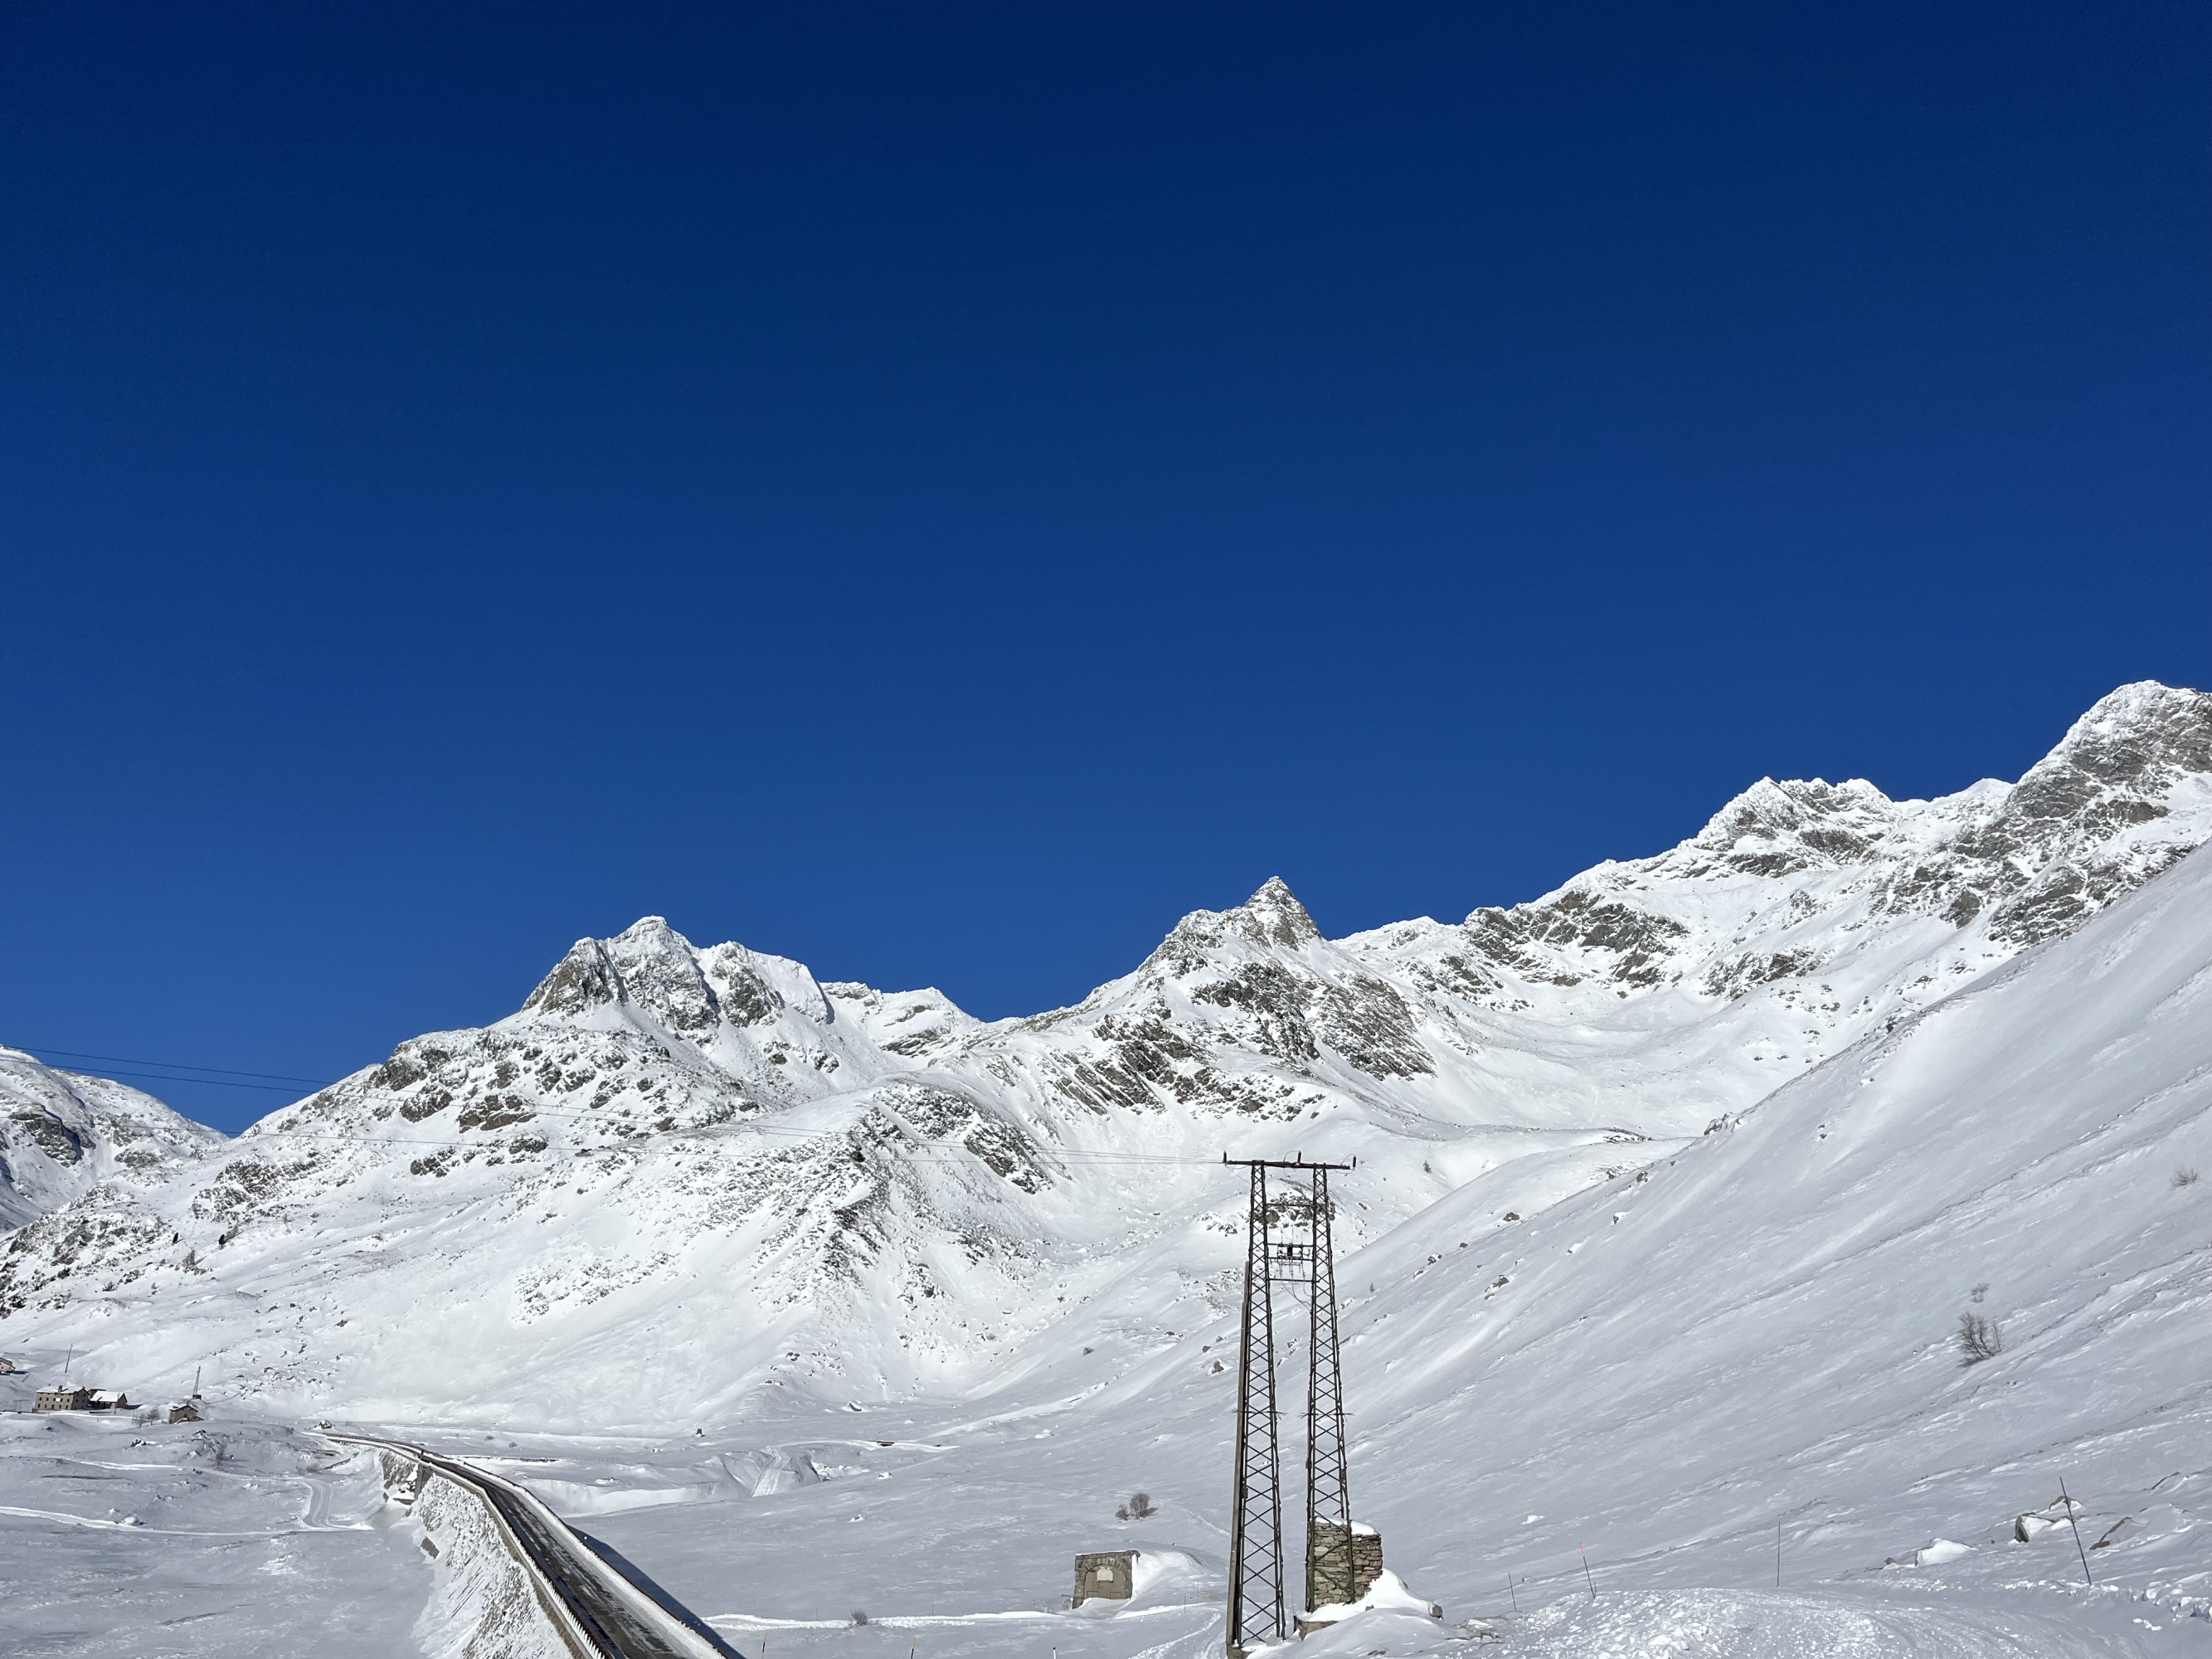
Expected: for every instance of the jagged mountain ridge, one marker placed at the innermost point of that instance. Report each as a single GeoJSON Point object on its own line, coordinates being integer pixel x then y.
{"type": "Point", "coordinates": [887, 1195]}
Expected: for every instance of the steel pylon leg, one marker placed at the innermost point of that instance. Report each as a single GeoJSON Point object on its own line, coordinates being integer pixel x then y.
{"type": "Point", "coordinates": [1330, 1567]}
{"type": "Point", "coordinates": [1256, 1530]}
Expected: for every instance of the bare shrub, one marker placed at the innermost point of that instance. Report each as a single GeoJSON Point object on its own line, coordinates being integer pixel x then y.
{"type": "Point", "coordinates": [1140, 1506]}
{"type": "Point", "coordinates": [1979, 1338]}
{"type": "Point", "coordinates": [858, 1618]}
{"type": "Point", "coordinates": [2186, 1177]}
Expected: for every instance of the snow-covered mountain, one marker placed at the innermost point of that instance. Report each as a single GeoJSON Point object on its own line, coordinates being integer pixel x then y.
{"type": "Point", "coordinates": [679, 1175]}
{"type": "Point", "coordinates": [62, 1134]}
{"type": "Point", "coordinates": [1737, 1382]}
{"type": "Point", "coordinates": [1772, 1317]}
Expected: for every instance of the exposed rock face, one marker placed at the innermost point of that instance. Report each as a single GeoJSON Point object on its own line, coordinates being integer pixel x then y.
{"type": "Point", "coordinates": [2125, 795]}
{"type": "Point", "coordinates": [61, 1134]}
{"type": "Point", "coordinates": [879, 1189]}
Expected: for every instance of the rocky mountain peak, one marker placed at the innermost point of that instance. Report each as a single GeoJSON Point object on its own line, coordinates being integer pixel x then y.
{"type": "Point", "coordinates": [2129, 751]}
{"type": "Point", "coordinates": [1774, 826]}
{"type": "Point", "coordinates": [1272, 919]}
{"type": "Point", "coordinates": [1273, 915]}
{"type": "Point", "coordinates": [648, 965]}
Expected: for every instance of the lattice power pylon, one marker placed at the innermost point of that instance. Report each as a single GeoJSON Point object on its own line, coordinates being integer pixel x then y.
{"type": "Point", "coordinates": [1284, 1246]}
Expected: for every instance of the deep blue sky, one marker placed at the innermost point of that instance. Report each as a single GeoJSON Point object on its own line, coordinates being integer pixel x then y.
{"type": "Point", "coordinates": [940, 490]}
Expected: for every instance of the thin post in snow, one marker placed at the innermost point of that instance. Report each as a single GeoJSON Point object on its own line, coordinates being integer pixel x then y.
{"type": "Point", "coordinates": [2075, 1522]}
{"type": "Point", "coordinates": [1515, 1594]}
{"type": "Point", "coordinates": [1587, 1579]}
{"type": "Point", "coordinates": [1777, 1552]}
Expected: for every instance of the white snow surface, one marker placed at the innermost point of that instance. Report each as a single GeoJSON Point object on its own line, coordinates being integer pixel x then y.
{"type": "Point", "coordinates": [62, 1134]}
{"type": "Point", "coordinates": [812, 1298]}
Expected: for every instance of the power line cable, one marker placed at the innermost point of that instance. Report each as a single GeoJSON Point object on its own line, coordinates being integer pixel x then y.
{"type": "Point", "coordinates": [211, 1082]}
{"type": "Point", "coordinates": [38, 1048]}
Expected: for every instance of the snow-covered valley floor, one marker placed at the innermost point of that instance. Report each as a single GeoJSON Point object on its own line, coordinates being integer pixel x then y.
{"type": "Point", "coordinates": [136, 1540]}
{"type": "Point", "coordinates": [958, 1539]}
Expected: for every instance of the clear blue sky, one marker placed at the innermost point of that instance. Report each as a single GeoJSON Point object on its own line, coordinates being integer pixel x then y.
{"type": "Point", "coordinates": [940, 490]}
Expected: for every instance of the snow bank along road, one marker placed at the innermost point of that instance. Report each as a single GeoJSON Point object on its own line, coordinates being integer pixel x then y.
{"type": "Point", "coordinates": [595, 1611]}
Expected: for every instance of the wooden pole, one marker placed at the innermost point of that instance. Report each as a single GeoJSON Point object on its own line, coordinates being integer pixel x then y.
{"type": "Point", "coordinates": [1587, 1579]}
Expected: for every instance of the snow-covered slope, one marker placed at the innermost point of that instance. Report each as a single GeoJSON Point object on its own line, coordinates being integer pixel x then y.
{"type": "Point", "coordinates": [1769, 1325]}
{"type": "Point", "coordinates": [1745, 1365]}
{"type": "Point", "coordinates": [678, 1173]}
{"type": "Point", "coordinates": [62, 1134]}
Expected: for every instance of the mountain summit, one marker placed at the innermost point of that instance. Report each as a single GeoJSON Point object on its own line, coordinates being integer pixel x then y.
{"type": "Point", "coordinates": [886, 1195]}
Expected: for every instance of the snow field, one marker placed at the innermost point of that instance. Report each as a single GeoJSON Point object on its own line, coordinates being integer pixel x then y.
{"type": "Point", "coordinates": [137, 1540]}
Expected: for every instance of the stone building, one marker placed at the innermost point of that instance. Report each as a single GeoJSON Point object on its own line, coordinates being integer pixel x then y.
{"type": "Point", "coordinates": [68, 1398]}
{"type": "Point", "coordinates": [1108, 1575]}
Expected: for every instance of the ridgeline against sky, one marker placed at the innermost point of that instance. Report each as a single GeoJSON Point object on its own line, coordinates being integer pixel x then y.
{"type": "Point", "coordinates": [941, 493]}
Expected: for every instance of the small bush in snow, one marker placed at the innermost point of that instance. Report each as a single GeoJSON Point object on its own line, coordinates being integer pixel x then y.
{"type": "Point", "coordinates": [1979, 1340]}
{"type": "Point", "coordinates": [2185, 1178]}
{"type": "Point", "coordinates": [1137, 1508]}
{"type": "Point", "coordinates": [858, 1618]}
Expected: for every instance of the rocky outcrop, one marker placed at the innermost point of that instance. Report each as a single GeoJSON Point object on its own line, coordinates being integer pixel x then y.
{"type": "Point", "coordinates": [63, 1134]}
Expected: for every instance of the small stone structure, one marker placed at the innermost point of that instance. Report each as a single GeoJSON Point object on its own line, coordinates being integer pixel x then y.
{"type": "Point", "coordinates": [1325, 1557]}
{"type": "Point", "coordinates": [1108, 1575]}
{"type": "Point", "coordinates": [183, 1411]}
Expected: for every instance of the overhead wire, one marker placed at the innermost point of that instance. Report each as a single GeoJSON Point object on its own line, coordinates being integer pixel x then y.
{"type": "Point", "coordinates": [272, 1079]}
